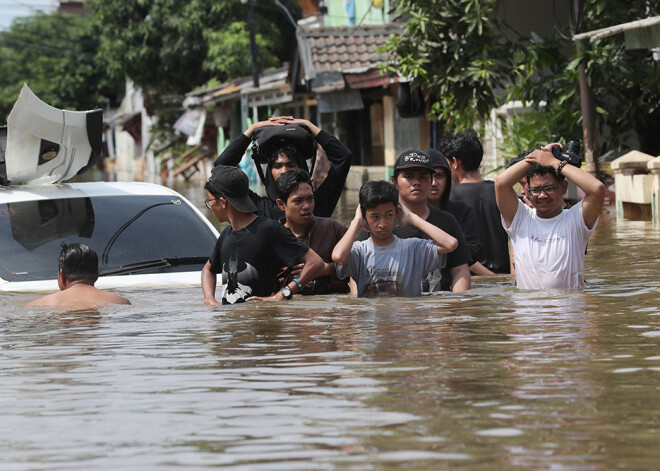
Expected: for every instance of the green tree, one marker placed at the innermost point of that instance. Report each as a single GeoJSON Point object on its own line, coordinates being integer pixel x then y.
{"type": "Point", "coordinates": [454, 51]}
{"type": "Point", "coordinates": [457, 52]}
{"type": "Point", "coordinates": [172, 46]}
{"type": "Point", "coordinates": [56, 56]}
{"type": "Point", "coordinates": [624, 82]}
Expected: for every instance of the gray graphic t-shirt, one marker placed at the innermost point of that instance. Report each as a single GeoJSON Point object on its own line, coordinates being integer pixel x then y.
{"type": "Point", "coordinates": [395, 270]}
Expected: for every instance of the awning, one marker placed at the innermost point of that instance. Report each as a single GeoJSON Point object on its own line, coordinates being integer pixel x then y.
{"type": "Point", "coordinates": [370, 79]}
{"type": "Point", "coordinates": [640, 34]}
{"type": "Point", "coordinates": [339, 101]}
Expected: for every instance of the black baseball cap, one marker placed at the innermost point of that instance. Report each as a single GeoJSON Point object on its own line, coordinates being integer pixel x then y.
{"type": "Point", "coordinates": [413, 159]}
{"type": "Point", "coordinates": [234, 185]}
{"type": "Point", "coordinates": [438, 159]}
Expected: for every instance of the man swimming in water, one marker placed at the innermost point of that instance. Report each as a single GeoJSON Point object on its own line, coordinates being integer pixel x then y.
{"type": "Point", "coordinates": [78, 271]}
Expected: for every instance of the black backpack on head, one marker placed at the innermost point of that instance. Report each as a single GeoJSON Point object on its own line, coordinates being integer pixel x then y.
{"type": "Point", "coordinates": [268, 139]}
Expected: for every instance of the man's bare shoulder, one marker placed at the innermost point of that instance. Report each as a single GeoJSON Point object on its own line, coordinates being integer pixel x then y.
{"type": "Point", "coordinates": [113, 298]}
{"type": "Point", "coordinates": [48, 300]}
{"type": "Point", "coordinates": [80, 297]}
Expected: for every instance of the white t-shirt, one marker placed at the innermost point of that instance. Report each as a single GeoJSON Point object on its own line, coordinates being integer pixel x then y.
{"type": "Point", "coordinates": [549, 252]}
{"type": "Point", "coordinates": [394, 270]}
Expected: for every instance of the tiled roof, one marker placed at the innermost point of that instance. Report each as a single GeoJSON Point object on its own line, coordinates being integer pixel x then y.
{"type": "Point", "coordinates": [346, 49]}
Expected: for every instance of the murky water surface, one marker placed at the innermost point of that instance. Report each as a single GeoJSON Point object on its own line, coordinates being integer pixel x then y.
{"type": "Point", "coordinates": [493, 379]}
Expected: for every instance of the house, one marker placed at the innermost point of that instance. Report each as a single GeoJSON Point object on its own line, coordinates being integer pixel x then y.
{"type": "Point", "coordinates": [334, 80]}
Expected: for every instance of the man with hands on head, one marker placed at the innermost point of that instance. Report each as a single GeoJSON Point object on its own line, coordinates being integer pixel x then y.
{"type": "Point", "coordinates": [251, 251]}
{"type": "Point", "coordinates": [289, 158]}
{"type": "Point", "coordinates": [384, 264]}
{"type": "Point", "coordinates": [548, 241]}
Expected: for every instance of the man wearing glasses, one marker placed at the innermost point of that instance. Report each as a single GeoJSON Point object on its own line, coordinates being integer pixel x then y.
{"type": "Point", "coordinates": [548, 241]}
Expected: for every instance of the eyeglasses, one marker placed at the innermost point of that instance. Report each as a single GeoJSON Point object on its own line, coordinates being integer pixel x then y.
{"type": "Point", "coordinates": [208, 202]}
{"type": "Point", "coordinates": [548, 190]}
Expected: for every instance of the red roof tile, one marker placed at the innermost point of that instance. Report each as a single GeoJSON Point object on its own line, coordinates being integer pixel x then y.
{"type": "Point", "coordinates": [345, 48]}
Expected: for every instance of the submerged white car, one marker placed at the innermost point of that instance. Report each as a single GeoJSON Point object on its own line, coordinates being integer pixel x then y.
{"type": "Point", "coordinates": [144, 234]}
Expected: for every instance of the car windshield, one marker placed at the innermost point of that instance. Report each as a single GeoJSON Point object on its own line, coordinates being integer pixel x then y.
{"type": "Point", "coordinates": [123, 230]}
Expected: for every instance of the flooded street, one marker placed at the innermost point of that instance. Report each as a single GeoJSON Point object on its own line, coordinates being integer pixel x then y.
{"type": "Point", "coordinates": [495, 378]}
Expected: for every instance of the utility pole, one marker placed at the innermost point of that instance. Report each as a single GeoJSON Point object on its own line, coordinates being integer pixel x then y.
{"type": "Point", "coordinates": [586, 101]}
{"type": "Point", "coordinates": [253, 42]}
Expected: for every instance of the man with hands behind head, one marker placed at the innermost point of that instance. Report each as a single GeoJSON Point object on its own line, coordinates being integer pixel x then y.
{"type": "Point", "coordinates": [289, 158]}
{"type": "Point", "coordinates": [548, 241]}
{"type": "Point", "coordinates": [384, 264]}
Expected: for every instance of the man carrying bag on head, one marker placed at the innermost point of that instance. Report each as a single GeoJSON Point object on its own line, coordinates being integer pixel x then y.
{"type": "Point", "coordinates": [286, 153]}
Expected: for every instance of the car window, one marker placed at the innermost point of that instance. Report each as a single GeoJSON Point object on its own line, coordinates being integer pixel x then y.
{"type": "Point", "coordinates": [121, 229]}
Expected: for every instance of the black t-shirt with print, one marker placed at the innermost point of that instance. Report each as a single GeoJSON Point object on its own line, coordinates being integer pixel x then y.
{"type": "Point", "coordinates": [250, 258]}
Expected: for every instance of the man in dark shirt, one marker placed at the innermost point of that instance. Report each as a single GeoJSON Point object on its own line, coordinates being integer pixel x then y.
{"type": "Point", "coordinates": [288, 158]}
{"type": "Point", "coordinates": [464, 153]}
{"type": "Point", "coordinates": [296, 198]}
{"type": "Point", "coordinates": [412, 176]}
{"type": "Point", "coordinates": [251, 251]}
{"type": "Point", "coordinates": [463, 212]}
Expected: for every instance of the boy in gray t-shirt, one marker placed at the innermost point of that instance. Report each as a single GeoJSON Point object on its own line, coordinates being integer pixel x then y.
{"type": "Point", "coordinates": [385, 265]}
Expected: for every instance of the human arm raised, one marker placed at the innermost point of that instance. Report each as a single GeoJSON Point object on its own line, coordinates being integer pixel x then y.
{"type": "Point", "coordinates": [233, 153]}
{"type": "Point", "coordinates": [444, 241]}
{"type": "Point", "coordinates": [506, 196]}
{"type": "Point", "coordinates": [329, 190]}
{"type": "Point", "coordinates": [594, 190]}
{"type": "Point", "coordinates": [342, 251]}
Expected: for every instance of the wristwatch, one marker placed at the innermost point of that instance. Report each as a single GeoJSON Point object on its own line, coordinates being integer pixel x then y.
{"type": "Point", "coordinates": [286, 293]}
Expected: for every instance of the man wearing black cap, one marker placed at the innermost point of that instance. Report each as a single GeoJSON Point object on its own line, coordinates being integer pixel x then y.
{"type": "Point", "coordinates": [413, 175]}
{"type": "Point", "coordinates": [251, 251]}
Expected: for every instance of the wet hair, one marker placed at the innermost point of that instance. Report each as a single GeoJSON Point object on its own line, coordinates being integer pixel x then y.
{"type": "Point", "coordinates": [79, 262]}
{"type": "Point", "coordinates": [466, 147]}
{"type": "Point", "coordinates": [292, 153]}
{"type": "Point", "coordinates": [536, 169]}
{"type": "Point", "coordinates": [375, 193]}
{"type": "Point", "coordinates": [290, 181]}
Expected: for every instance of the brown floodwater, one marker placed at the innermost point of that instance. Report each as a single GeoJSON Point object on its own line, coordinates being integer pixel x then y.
{"type": "Point", "coordinates": [496, 378]}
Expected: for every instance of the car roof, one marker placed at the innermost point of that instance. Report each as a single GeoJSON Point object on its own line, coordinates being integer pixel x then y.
{"type": "Point", "coordinates": [16, 193]}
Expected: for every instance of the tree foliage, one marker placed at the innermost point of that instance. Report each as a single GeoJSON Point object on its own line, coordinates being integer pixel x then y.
{"type": "Point", "coordinates": [624, 82]}
{"type": "Point", "coordinates": [172, 46]}
{"type": "Point", "coordinates": [56, 56]}
{"type": "Point", "coordinates": [454, 51]}
{"type": "Point", "coordinates": [229, 56]}
{"type": "Point", "coordinates": [457, 52]}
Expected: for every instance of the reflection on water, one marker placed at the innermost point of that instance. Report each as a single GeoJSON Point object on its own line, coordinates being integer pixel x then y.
{"type": "Point", "coordinates": [490, 379]}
